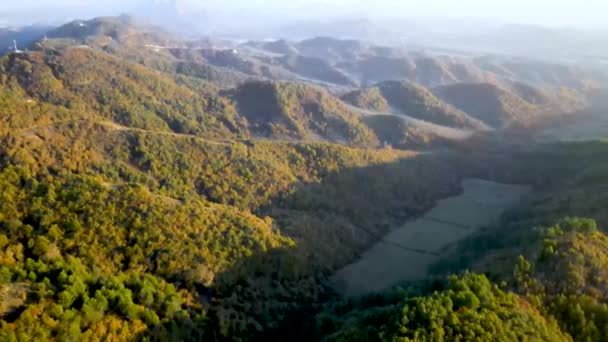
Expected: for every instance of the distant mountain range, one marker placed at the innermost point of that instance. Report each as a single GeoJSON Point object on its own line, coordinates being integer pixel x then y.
{"type": "Point", "coordinates": [467, 36]}
{"type": "Point", "coordinates": [327, 88]}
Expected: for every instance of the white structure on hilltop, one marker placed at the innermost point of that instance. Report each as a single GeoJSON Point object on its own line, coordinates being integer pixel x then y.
{"type": "Point", "coordinates": [15, 49]}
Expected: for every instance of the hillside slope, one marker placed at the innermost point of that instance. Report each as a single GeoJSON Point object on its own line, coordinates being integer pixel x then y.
{"type": "Point", "coordinates": [399, 132]}
{"type": "Point", "coordinates": [106, 31]}
{"type": "Point", "coordinates": [143, 203]}
{"type": "Point", "coordinates": [299, 112]}
{"type": "Point", "coordinates": [368, 98]}
{"type": "Point", "coordinates": [495, 106]}
{"type": "Point", "coordinates": [123, 92]}
{"type": "Point", "coordinates": [418, 102]}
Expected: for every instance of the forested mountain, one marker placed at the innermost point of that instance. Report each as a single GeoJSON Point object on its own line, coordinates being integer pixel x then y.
{"type": "Point", "coordinates": [418, 102]}
{"type": "Point", "coordinates": [498, 107]}
{"type": "Point", "coordinates": [475, 106]}
{"type": "Point", "coordinates": [325, 59]}
{"type": "Point", "coordinates": [300, 111]}
{"type": "Point", "coordinates": [489, 103]}
{"type": "Point", "coordinates": [400, 132]}
{"type": "Point", "coordinates": [366, 64]}
{"type": "Point", "coordinates": [153, 188]}
{"type": "Point", "coordinates": [540, 266]}
{"type": "Point", "coordinates": [367, 98]}
{"type": "Point", "coordinates": [90, 81]}
{"type": "Point", "coordinates": [104, 30]}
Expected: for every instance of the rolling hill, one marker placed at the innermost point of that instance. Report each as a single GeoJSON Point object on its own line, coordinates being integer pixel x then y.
{"type": "Point", "coordinates": [120, 91]}
{"type": "Point", "coordinates": [124, 93]}
{"type": "Point", "coordinates": [368, 98]}
{"type": "Point", "coordinates": [315, 69]}
{"type": "Point", "coordinates": [299, 112]}
{"type": "Point", "coordinates": [169, 192]}
{"type": "Point", "coordinates": [105, 30]}
{"type": "Point", "coordinates": [495, 106]}
{"type": "Point", "coordinates": [418, 102]}
{"type": "Point", "coordinates": [341, 62]}
{"type": "Point", "coordinates": [127, 39]}
{"type": "Point", "coordinates": [399, 132]}
{"type": "Point", "coordinates": [547, 261]}
{"type": "Point", "coordinates": [191, 192]}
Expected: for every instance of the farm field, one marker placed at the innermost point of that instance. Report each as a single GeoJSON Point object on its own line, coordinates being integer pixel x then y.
{"type": "Point", "coordinates": [406, 253]}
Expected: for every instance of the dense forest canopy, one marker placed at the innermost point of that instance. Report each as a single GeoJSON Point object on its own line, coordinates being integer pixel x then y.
{"type": "Point", "coordinates": [154, 189]}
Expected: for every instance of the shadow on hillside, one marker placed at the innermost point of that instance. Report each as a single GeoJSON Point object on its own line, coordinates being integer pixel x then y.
{"type": "Point", "coordinates": [277, 293]}
{"type": "Point", "coordinates": [266, 296]}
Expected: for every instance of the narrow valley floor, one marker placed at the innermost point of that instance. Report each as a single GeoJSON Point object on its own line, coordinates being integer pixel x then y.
{"type": "Point", "coordinates": [406, 253]}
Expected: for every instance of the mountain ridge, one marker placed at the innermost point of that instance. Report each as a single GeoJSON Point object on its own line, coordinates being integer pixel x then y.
{"type": "Point", "coordinates": [207, 190]}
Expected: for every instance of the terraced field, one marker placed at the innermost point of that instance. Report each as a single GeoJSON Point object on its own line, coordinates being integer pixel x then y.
{"type": "Point", "coordinates": [406, 253]}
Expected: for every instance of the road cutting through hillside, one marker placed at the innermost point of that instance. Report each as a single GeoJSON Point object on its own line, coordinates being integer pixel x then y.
{"type": "Point", "coordinates": [406, 253]}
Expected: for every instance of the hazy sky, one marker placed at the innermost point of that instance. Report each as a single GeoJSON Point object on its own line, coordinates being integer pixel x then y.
{"type": "Point", "coordinates": [577, 13]}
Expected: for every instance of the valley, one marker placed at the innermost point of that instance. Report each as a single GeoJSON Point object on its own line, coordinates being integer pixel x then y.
{"type": "Point", "coordinates": [416, 124]}
{"type": "Point", "coordinates": [406, 253]}
{"type": "Point", "coordinates": [156, 186]}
